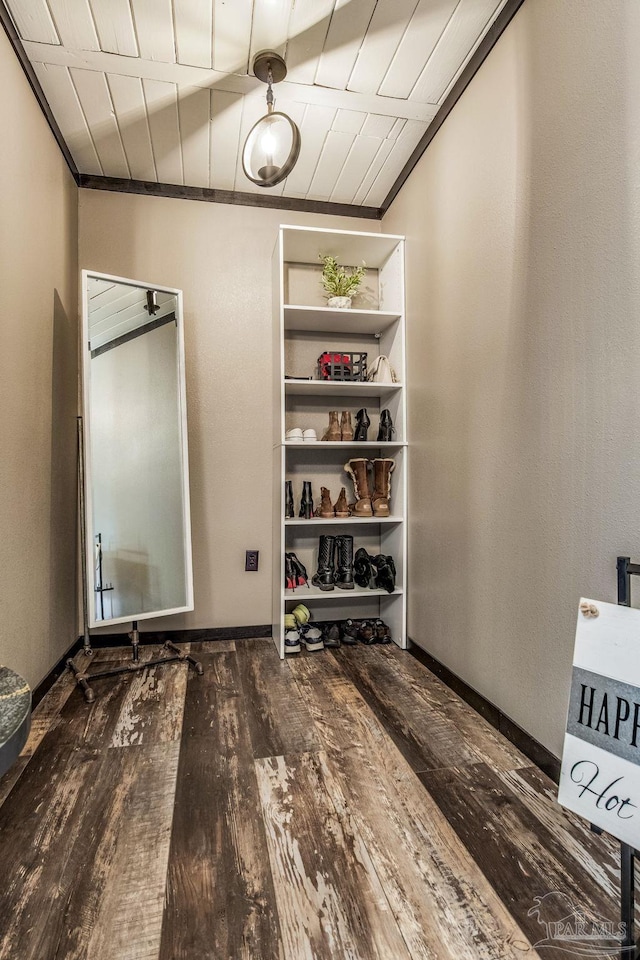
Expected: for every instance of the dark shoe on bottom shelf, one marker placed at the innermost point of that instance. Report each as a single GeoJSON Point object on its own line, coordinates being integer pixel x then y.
{"type": "Point", "coordinates": [311, 637]}
{"type": "Point", "coordinates": [381, 632]}
{"type": "Point", "coordinates": [350, 632]}
{"type": "Point", "coordinates": [366, 633]}
{"type": "Point", "coordinates": [331, 634]}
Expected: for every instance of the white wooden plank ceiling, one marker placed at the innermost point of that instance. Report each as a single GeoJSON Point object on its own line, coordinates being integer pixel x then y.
{"type": "Point", "coordinates": [162, 90]}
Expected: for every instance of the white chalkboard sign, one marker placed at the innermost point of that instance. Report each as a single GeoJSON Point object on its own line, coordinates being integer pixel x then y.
{"type": "Point", "coordinates": [600, 777]}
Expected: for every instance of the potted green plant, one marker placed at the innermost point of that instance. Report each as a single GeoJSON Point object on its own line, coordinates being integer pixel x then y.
{"type": "Point", "coordinates": [339, 285]}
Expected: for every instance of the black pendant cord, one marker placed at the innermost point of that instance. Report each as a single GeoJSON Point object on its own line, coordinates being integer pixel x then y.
{"type": "Point", "coordinates": [629, 949]}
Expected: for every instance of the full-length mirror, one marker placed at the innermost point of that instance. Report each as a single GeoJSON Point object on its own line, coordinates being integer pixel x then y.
{"type": "Point", "coordinates": [138, 537]}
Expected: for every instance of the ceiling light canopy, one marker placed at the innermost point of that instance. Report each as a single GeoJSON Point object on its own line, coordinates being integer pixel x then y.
{"type": "Point", "coordinates": [273, 144]}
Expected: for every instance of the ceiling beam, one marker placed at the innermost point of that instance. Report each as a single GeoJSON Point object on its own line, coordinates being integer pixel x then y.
{"type": "Point", "coordinates": [230, 83]}
{"type": "Point", "coordinates": [181, 192]}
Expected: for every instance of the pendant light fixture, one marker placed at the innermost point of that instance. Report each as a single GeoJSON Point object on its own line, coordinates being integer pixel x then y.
{"type": "Point", "coordinates": [272, 147]}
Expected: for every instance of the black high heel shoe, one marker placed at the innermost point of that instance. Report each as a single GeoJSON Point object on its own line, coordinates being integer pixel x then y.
{"type": "Point", "coordinates": [295, 572]}
{"type": "Point", "coordinates": [386, 428]}
{"type": "Point", "coordinates": [362, 425]}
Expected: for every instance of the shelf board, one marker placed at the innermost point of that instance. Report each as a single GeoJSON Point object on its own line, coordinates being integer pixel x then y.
{"type": "Point", "coordinates": [329, 320]}
{"type": "Point", "coordinates": [314, 593]}
{"type": "Point", "coordinates": [354, 521]}
{"type": "Point", "coordinates": [345, 444]}
{"type": "Point", "coordinates": [338, 388]}
{"type": "Point", "coordinates": [304, 244]}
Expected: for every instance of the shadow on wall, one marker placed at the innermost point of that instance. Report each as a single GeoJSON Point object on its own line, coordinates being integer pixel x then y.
{"type": "Point", "coordinates": [63, 530]}
{"type": "Point", "coordinates": [525, 397]}
{"type": "Point", "coordinates": [566, 426]}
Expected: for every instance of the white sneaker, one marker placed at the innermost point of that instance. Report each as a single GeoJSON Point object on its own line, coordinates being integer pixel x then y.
{"type": "Point", "coordinates": [309, 436]}
{"type": "Point", "coordinates": [294, 434]}
{"type": "Point", "coordinates": [312, 638]}
{"type": "Point", "coordinates": [292, 642]}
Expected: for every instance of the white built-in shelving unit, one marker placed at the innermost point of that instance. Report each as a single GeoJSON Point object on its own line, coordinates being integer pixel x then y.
{"type": "Point", "coordinates": [304, 328]}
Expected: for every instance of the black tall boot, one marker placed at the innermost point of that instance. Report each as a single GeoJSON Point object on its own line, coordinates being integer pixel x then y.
{"type": "Point", "coordinates": [362, 425]}
{"type": "Point", "coordinates": [344, 573]}
{"type": "Point", "coordinates": [306, 504]}
{"type": "Point", "coordinates": [325, 576]}
{"type": "Point", "coordinates": [289, 511]}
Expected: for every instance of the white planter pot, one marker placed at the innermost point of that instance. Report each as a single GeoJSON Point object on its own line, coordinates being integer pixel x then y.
{"type": "Point", "coordinates": [339, 303]}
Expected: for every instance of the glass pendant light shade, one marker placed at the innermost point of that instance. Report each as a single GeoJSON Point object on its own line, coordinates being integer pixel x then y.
{"type": "Point", "coordinates": [273, 144]}
{"type": "Point", "coordinates": [271, 149]}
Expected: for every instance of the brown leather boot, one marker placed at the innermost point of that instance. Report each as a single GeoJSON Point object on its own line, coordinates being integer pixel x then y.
{"type": "Point", "coordinates": [382, 470]}
{"type": "Point", "coordinates": [357, 470]}
{"type": "Point", "coordinates": [325, 509]}
{"type": "Point", "coordinates": [342, 507]}
{"type": "Point", "coordinates": [346, 427]}
{"type": "Point", "coordinates": [333, 430]}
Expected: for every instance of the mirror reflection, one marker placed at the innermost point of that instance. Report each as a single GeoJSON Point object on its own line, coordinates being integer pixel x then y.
{"type": "Point", "coordinates": [138, 542]}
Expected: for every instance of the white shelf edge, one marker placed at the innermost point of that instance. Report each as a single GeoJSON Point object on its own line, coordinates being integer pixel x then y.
{"type": "Point", "coordinates": [358, 594]}
{"type": "Point", "coordinates": [321, 521]}
{"type": "Point", "coordinates": [333, 312]}
{"type": "Point", "coordinates": [337, 444]}
{"type": "Point", "coordinates": [366, 386]}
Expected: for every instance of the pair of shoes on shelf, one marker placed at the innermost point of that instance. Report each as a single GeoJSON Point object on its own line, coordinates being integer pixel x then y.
{"type": "Point", "coordinates": [326, 510]}
{"type": "Point", "coordinates": [341, 429]}
{"type": "Point", "coordinates": [297, 435]}
{"type": "Point", "coordinates": [372, 498]}
{"type": "Point", "coordinates": [306, 501]}
{"type": "Point", "coordinates": [385, 427]}
{"type": "Point", "coordinates": [295, 574]}
{"type": "Point", "coordinates": [335, 563]}
{"type": "Point", "coordinates": [365, 631]}
{"type": "Point", "coordinates": [377, 572]}
{"type": "Point", "coordinates": [297, 628]}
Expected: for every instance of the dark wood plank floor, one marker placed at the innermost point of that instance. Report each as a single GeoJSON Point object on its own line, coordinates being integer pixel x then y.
{"type": "Point", "coordinates": [342, 804]}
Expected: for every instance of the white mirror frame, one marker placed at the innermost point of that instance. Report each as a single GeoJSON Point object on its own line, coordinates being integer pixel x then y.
{"type": "Point", "coordinates": [182, 400]}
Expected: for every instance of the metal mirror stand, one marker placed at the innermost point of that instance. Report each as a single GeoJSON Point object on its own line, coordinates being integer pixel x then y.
{"type": "Point", "coordinates": [83, 678]}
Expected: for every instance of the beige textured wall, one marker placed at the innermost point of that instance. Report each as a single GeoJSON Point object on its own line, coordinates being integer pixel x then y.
{"type": "Point", "coordinates": [523, 232]}
{"type": "Point", "coordinates": [220, 256]}
{"type": "Point", "coordinates": [38, 384]}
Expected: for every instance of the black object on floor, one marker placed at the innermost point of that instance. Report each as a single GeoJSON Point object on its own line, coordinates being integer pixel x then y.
{"type": "Point", "coordinates": [174, 655]}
